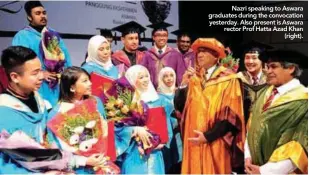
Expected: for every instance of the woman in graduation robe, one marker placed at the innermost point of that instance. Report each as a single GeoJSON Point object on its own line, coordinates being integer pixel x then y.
{"type": "Point", "coordinates": [99, 58]}
{"type": "Point", "coordinates": [166, 89]}
{"type": "Point", "coordinates": [132, 161]}
{"type": "Point", "coordinates": [75, 87]}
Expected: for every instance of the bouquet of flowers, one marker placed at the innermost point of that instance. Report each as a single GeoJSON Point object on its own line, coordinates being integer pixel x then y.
{"type": "Point", "coordinates": [230, 62]}
{"type": "Point", "coordinates": [120, 108]}
{"type": "Point", "coordinates": [83, 131]}
{"type": "Point", "coordinates": [31, 155]}
{"type": "Point", "coordinates": [53, 56]}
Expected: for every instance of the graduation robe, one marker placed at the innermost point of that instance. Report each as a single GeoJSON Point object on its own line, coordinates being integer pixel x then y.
{"type": "Point", "coordinates": [53, 139]}
{"type": "Point", "coordinates": [30, 38]}
{"type": "Point", "coordinates": [172, 155]}
{"type": "Point", "coordinates": [218, 112]}
{"type": "Point", "coordinates": [250, 91]}
{"type": "Point", "coordinates": [188, 57]}
{"type": "Point", "coordinates": [281, 131]}
{"type": "Point", "coordinates": [94, 67]}
{"type": "Point", "coordinates": [120, 57]}
{"type": "Point", "coordinates": [3, 80]}
{"type": "Point", "coordinates": [170, 58]}
{"type": "Point", "coordinates": [17, 116]}
{"type": "Point", "coordinates": [131, 160]}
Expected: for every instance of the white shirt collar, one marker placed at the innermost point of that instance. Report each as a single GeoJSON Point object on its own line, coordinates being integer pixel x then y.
{"type": "Point", "coordinates": [288, 86]}
{"type": "Point", "coordinates": [210, 71]}
{"type": "Point", "coordinates": [163, 49]}
{"type": "Point", "coordinates": [259, 75]}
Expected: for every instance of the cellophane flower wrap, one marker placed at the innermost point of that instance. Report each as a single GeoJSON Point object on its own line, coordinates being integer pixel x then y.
{"type": "Point", "coordinates": [32, 155]}
{"type": "Point", "coordinates": [85, 132]}
{"type": "Point", "coordinates": [52, 54]}
{"type": "Point", "coordinates": [120, 108]}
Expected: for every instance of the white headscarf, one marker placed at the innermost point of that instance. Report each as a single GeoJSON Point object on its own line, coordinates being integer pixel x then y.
{"type": "Point", "coordinates": [162, 88]}
{"type": "Point", "coordinates": [93, 46]}
{"type": "Point", "coordinates": [150, 94]}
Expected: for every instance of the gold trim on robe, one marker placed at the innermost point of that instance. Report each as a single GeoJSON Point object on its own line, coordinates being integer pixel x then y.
{"type": "Point", "coordinates": [293, 151]}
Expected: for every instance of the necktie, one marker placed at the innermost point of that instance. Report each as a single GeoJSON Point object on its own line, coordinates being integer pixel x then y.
{"type": "Point", "coordinates": [160, 51]}
{"type": "Point", "coordinates": [255, 80]}
{"type": "Point", "coordinates": [270, 99]}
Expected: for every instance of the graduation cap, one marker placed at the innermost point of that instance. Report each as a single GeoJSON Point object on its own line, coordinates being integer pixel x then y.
{"type": "Point", "coordinates": [130, 27]}
{"type": "Point", "coordinates": [105, 32]}
{"type": "Point", "coordinates": [285, 55]}
{"type": "Point", "coordinates": [29, 5]}
{"type": "Point", "coordinates": [254, 47]}
{"type": "Point", "coordinates": [179, 33]}
{"type": "Point", "coordinates": [159, 26]}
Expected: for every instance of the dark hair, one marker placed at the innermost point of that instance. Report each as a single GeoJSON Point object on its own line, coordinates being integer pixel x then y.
{"type": "Point", "coordinates": [130, 31]}
{"type": "Point", "coordinates": [14, 57]}
{"type": "Point", "coordinates": [68, 78]}
{"type": "Point", "coordinates": [254, 50]}
{"type": "Point", "coordinates": [159, 29]}
{"type": "Point", "coordinates": [29, 5]}
{"type": "Point", "coordinates": [183, 35]}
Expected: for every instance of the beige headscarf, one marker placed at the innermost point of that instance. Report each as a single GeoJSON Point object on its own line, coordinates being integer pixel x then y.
{"type": "Point", "coordinates": [150, 94]}
{"type": "Point", "coordinates": [93, 46]}
{"type": "Point", "coordinates": [162, 88]}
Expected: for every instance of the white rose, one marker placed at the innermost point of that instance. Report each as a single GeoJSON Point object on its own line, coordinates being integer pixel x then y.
{"type": "Point", "coordinates": [85, 145]}
{"type": "Point", "coordinates": [93, 141]}
{"type": "Point", "coordinates": [91, 124]}
{"type": "Point", "coordinates": [79, 129]}
{"type": "Point", "coordinates": [74, 139]}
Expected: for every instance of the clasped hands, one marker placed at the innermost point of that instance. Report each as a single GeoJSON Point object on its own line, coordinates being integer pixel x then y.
{"type": "Point", "coordinates": [144, 136]}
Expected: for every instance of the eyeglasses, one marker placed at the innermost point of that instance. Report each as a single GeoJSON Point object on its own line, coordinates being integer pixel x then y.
{"type": "Point", "coordinates": [162, 36]}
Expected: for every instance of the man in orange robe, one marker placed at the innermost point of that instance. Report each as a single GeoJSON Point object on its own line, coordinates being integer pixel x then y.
{"type": "Point", "coordinates": [214, 130]}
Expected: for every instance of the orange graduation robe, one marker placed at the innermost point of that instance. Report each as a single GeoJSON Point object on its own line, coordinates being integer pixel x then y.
{"type": "Point", "coordinates": [221, 99]}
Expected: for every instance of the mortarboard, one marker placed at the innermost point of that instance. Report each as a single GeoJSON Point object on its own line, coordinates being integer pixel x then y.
{"type": "Point", "coordinates": [254, 46]}
{"type": "Point", "coordinates": [159, 26]}
{"type": "Point", "coordinates": [105, 32]}
{"type": "Point", "coordinates": [29, 5]}
{"type": "Point", "coordinates": [179, 33]}
{"type": "Point", "coordinates": [130, 27]}
{"type": "Point", "coordinates": [285, 55]}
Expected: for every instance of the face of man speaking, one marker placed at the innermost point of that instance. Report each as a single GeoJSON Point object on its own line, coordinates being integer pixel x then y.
{"type": "Point", "coordinates": [206, 58]}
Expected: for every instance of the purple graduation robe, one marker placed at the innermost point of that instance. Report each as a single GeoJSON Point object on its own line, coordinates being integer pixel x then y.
{"type": "Point", "coordinates": [170, 58]}
{"type": "Point", "coordinates": [188, 57]}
